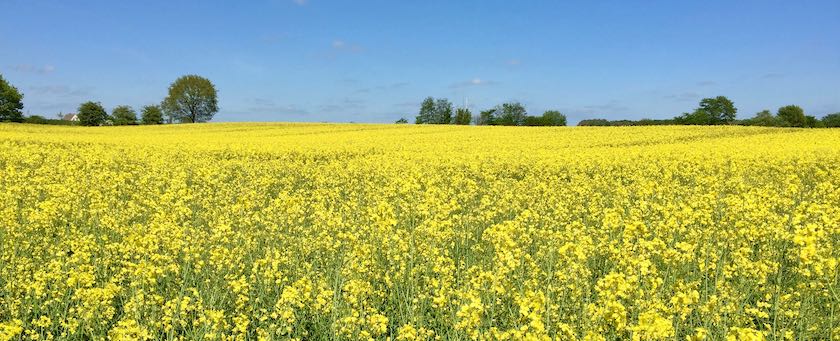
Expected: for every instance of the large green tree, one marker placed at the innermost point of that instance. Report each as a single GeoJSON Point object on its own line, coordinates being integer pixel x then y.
{"type": "Point", "coordinates": [511, 114]}
{"type": "Point", "coordinates": [832, 120]}
{"type": "Point", "coordinates": [554, 118]}
{"type": "Point", "coordinates": [463, 116]}
{"type": "Point", "coordinates": [792, 116]}
{"type": "Point", "coordinates": [434, 111]}
{"type": "Point", "coordinates": [697, 117]}
{"type": "Point", "coordinates": [151, 114]}
{"type": "Point", "coordinates": [486, 118]}
{"type": "Point", "coordinates": [443, 111]}
{"type": "Point", "coordinates": [11, 102]}
{"type": "Point", "coordinates": [427, 111]}
{"type": "Point", "coordinates": [92, 114]}
{"type": "Point", "coordinates": [720, 110]}
{"type": "Point", "coordinates": [191, 99]}
{"type": "Point", "coordinates": [763, 118]}
{"type": "Point", "coordinates": [124, 115]}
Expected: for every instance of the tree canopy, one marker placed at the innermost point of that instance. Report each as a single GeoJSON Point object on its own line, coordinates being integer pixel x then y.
{"type": "Point", "coordinates": [124, 115]}
{"type": "Point", "coordinates": [486, 118]}
{"type": "Point", "coordinates": [151, 114]}
{"type": "Point", "coordinates": [511, 114]}
{"type": "Point", "coordinates": [463, 116]}
{"type": "Point", "coordinates": [792, 115]}
{"type": "Point", "coordinates": [720, 110]}
{"type": "Point", "coordinates": [554, 118]}
{"type": "Point", "coordinates": [434, 111]}
{"type": "Point", "coordinates": [831, 120]}
{"type": "Point", "coordinates": [92, 114]}
{"type": "Point", "coordinates": [191, 99]}
{"type": "Point", "coordinates": [11, 102]}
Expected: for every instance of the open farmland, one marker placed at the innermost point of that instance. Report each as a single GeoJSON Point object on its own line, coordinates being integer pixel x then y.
{"type": "Point", "coordinates": [351, 231]}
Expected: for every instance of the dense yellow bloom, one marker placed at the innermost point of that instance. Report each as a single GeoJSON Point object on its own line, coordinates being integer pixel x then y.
{"type": "Point", "coordinates": [403, 232]}
{"type": "Point", "coordinates": [9, 330]}
{"type": "Point", "coordinates": [652, 326]}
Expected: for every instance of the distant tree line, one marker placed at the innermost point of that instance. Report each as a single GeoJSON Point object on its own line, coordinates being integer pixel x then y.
{"type": "Point", "coordinates": [441, 111]}
{"type": "Point", "coordinates": [190, 99]}
{"type": "Point", "coordinates": [193, 99]}
{"type": "Point", "coordinates": [720, 110]}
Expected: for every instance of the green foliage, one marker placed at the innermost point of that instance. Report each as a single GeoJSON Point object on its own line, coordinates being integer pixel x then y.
{"type": "Point", "coordinates": [511, 114]}
{"type": "Point", "coordinates": [792, 116]}
{"type": "Point", "coordinates": [463, 116]}
{"type": "Point", "coordinates": [11, 102]}
{"type": "Point", "coordinates": [712, 111]}
{"type": "Point", "coordinates": [92, 114]}
{"type": "Point", "coordinates": [486, 118]}
{"type": "Point", "coordinates": [554, 118]}
{"type": "Point", "coordinates": [698, 117]}
{"type": "Point", "coordinates": [764, 118]}
{"type": "Point", "coordinates": [191, 99]}
{"type": "Point", "coordinates": [719, 109]}
{"type": "Point", "coordinates": [443, 111]}
{"type": "Point", "coordinates": [621, 123]}
{"type": "Point", "coordinates": [813, 122]}
{"type": "Point", "coordinates": [534, 121]}
{"type": "Point", "coordinates": [35, 119]}
{"type": "Point", "coordinates": [831, 120]}
{"type": "Point", "coordinates": [402, 120]}
{"type": "Point", "coordinates": [595, 122]}
{"type": "Point", "coordinates": [427, 110]}
{"type": "Point", "coordinates": [151, 114]}
{"type": "Point", "coordinates": [124, 115]}
{"type": "Point", "coordinates": [434, 111]}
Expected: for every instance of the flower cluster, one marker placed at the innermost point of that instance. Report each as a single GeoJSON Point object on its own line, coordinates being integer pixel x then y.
{"type": "Point", "coordinates": [402, 232]}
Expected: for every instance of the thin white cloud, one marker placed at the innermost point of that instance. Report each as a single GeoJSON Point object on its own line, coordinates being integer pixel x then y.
{"type": "Point", "coordinates": [339, 45]}
{"type": "Point", "coordinates": [269, 106]}
{"type": "Point", "coordinates": [301, 2]}
{"type": "Point", "coordinates": [59, 90]}
{"type": "Point", "coordinates": [472, 82]}
{"type": "Point", "coordinates": [683, 97]}
{"type": "Point", "coordinates": [514, 62]}
{"type": "Point", "coordinates": [34, 68]}
{"type": "Point", "coordinates": [343, 105]}
{"type": "Point", "coordinates": [383, 87]}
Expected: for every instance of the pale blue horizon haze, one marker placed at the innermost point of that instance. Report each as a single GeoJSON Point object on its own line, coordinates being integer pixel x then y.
{"type": "Point", "coordinates": [375, 61]}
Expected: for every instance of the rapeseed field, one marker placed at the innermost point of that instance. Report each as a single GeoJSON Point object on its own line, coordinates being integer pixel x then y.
{"type": "Point", "coordinates": [404, 232]}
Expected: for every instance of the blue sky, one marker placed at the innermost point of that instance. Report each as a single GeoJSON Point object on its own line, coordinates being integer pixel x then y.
{"type": "Point", "coordinates": [374, 61]}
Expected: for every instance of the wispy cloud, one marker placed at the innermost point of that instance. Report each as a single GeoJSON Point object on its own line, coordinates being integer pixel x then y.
{"type": "Point", "coordinates": [772, 75]}
{"type": "Point", "coordinates": [386, 87]}
{"type": "Point", "coordinates": [682, 97]}
{"type": "Point", "coordinates": [341, 45]}
{"type": "Point", "coordinates": [514, 62]}
{"type": "Point", "coordinates": [59, 90]}
{"type": "Point", "coordinates": [472, 82]}
{"type": "Point", "coordinates": [269, 106]}
{"type": "Point", "coordinates": [34, 68]}
{"type": "Point", "coordinates": [344, 105]}
{"type": "Point", "coordinates": [273, 38]}
{"type": "Point", "coordinates": [613, 106]}
{"type": "Point", "coordinates": [408, 104]}
{"type": "Point", "coordinates": [300, 2]}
